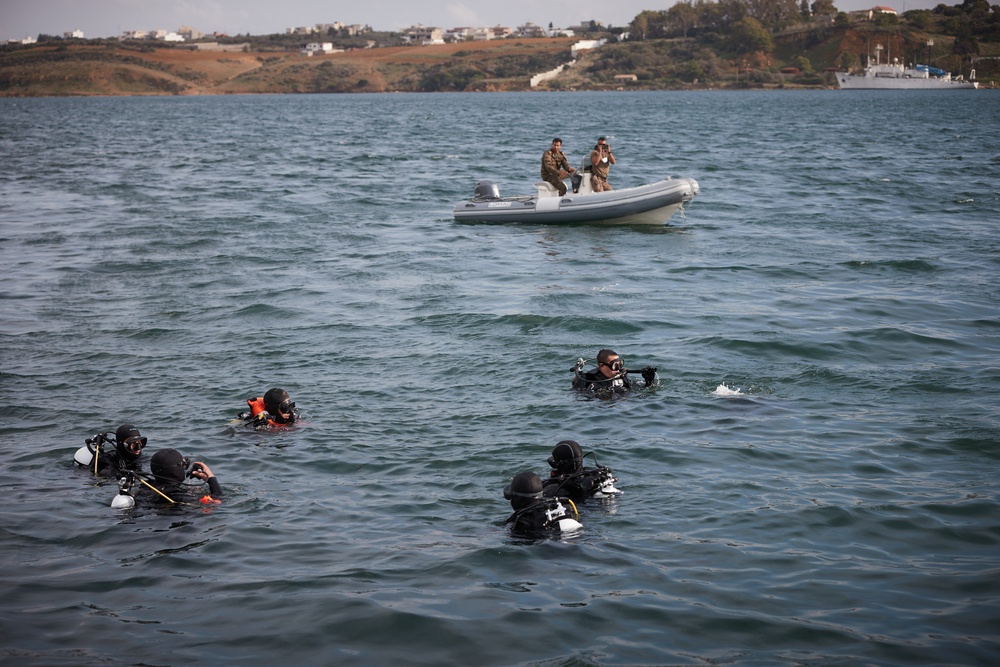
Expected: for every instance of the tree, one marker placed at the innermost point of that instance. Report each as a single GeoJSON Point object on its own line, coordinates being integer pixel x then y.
{"type": "Point", "coordinates": [749, 36]}
{"type": "Point", "coordinates": [648, 25]}
{"type": "Point", "coordinates": [823, 8]}
{"type": "Point", "coordinates": [804, 9]}
{"type": "Point", "coordinates": [773, 14]}
{"type": "Point", "coordinates": [681, 18]}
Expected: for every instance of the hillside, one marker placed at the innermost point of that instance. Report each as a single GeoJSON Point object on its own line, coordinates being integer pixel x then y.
{"type": "Point", "coordinates": [799, 57]}
{"type": "Point", "coordinates": [120, 70]}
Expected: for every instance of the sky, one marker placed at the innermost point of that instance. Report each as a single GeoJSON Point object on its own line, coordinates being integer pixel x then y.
{"type": "Point", "coordinates": [110, 18]}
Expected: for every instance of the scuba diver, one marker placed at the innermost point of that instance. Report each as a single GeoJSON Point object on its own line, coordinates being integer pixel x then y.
{"type": "Point", "coordinates": [535, 514]}
{"type": "Point", "coordinates": [275, 409]}
{"type": "Point", "coordinates": [570, 479]}
{"type": "Point", "coordinates": [169, 470]}
{"type": "Point", "coordinates": [128, 444]}
{"type": "Point", "coordinates": [610, 376]}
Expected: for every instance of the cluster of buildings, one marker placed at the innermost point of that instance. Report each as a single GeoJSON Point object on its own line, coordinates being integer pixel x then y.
{"type": "Point", "coordinates": [420, 34]}
{"type": "Point", "coordinates": [423, 35]}
{"type": "Point", "coordinates": [417, 34]}
{"type": "Point", "coordinates": [27, 39]}
{"type": "Point", "coordinates": [182, 34]}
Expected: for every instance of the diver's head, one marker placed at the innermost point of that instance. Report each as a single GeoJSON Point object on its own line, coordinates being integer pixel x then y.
{"type": "Point", "coordinates": [279, 405]}
{"type": "Point", "coordinates": [567, 458]}
{"type": "Point", "coordinates": [168, 466]}
{"type": "Point", "coordinates": [524, 489]}
{"type": "Point", "coordinates": [129, 442]}
{"type": "Point", "coordinates": [609, 363]}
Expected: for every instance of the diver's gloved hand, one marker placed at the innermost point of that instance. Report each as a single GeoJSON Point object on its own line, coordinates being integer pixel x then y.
{"type": "Point", "coordinates": [649, 374]}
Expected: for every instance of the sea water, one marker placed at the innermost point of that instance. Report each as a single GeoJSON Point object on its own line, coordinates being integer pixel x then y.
{"type": "Point", "coordinates": [812, 481]}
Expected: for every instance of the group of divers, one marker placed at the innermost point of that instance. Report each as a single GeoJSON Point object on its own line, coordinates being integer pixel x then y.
{"type": "Point", "coordinates": [540, 506]}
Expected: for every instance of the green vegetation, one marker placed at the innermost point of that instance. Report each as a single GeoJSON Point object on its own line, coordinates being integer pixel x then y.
{"type": "Point", "coordinates": [766, 36]}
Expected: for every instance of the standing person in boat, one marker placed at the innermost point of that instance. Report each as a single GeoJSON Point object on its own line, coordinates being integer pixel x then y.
{"type": "Point", "coordinates": [274, 409]}
{"type": "Point", "coordinates": [610, 376]}
{"type": "Point", "coordinates": [601, 160]}
{"type": "Point", "coordinates": [555, 166]}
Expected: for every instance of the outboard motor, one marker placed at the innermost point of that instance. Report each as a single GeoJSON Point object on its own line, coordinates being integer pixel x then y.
{"type": "Point", "coordinates": [487, 190]}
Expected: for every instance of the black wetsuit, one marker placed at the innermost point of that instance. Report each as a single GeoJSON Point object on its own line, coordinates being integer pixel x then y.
{"type": "Point", "coordinates": [111, 464]}
{"type": "Point", "coordinates": [539, 518]}
{"type": "Point", "coordinates": [596, 381]}
{"type": "Point", "coordinates": [179, 493]}
{"type": "Point", "coordinates": [579, 485]}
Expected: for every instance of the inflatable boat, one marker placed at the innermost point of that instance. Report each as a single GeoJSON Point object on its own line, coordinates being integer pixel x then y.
{"type": "Point", "coordinates": [651, 204]}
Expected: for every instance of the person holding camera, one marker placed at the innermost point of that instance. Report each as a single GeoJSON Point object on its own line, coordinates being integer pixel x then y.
{"type": "Point", "coordinates": [601, 159]}
{"type": "Point", "coordinates": [170, 468]}
{"type": "Point", "coordinates": [555, 166]}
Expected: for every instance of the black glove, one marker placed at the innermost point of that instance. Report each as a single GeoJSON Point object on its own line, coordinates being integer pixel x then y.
{"type": "Point", "coordinates": [649, 375]}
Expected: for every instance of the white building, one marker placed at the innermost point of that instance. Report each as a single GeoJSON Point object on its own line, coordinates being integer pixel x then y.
{"type": "Point", "coordinates": [76, 34]}
{"type": "Point", "coordinates": [421, 34]}
{"type": "Point", "coordinates": [531, 30]}
{"type": "Point", "coordinates": [187, 32]}
{"type": "Point", "coordinates": [458, 34]}
{"type": "Point", "coordinates": [319, 48]}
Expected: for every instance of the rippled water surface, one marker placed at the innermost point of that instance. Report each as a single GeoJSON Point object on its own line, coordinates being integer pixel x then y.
{"type": "Point", "coordinates": [813, 481]}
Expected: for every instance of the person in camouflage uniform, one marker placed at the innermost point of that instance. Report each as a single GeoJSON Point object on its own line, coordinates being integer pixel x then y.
{"type": "Point", "coordinates": [601, 160]}
{"type": "Point", "coordinates": [555, 166]}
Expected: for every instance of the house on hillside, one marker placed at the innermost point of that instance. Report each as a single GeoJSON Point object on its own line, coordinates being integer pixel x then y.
{"type": "Point", "coordinates": [318, 48]}
{"type": "Point", "coordinates": [420, 34]}
{"type": "Point", "coordinates": [873, 13]}
{"type": "Point", "coordinates": [531, 30]}
{"type": "Point", "coordinates": [459, 34]}
{"type": "Point", "coordinates": [189, 33]}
